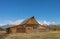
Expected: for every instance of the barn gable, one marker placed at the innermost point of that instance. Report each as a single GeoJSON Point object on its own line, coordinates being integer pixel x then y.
{"type": "Point", "coordinates": [31, 20]}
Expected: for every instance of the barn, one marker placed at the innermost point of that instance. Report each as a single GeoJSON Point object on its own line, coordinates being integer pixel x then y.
{"type": "Point", "coordinates": [27, 26]}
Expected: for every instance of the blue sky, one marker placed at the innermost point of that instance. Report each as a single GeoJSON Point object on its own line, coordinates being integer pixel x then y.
{"type": "Point", "coordinates": [13, 10]}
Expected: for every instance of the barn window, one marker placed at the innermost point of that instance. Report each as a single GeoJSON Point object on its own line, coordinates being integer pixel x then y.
{"type": "Point", "coordinates": [20, 30]}
{"type": "Point", "coordinates": [35, 27]}
{"type": "Point", "coordinates": [28, 28]}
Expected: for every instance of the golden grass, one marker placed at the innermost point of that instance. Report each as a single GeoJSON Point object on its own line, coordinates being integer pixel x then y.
{"type": "Point", "coordinates": [42, 35]}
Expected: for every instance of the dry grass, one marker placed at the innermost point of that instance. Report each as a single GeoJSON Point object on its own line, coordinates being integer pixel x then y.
{"type": "Point", "coordinates": [42, 35]}
{"type": "Point", "coordinates": [3, 34]}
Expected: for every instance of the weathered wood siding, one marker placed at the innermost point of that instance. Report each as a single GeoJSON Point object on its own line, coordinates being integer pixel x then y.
{"type": "Point", "coordinates": [17, 29]}
{"type": "Point", "coordinates": [29, 29]}
{"type": "Point", "coordinates": [32, 21]}
{"type": "Point", "coordinates": [13, 30]}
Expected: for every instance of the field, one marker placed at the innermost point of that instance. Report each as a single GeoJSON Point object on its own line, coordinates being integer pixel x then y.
{"type": "Point", "coordinates": [41, 35]}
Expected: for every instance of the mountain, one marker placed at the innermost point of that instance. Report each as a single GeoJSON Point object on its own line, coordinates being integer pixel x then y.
{"type": "Point", "coordinates": [6, 26]}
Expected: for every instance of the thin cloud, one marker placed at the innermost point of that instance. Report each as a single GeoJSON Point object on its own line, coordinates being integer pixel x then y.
{"type": "Point", "coordinates": [15, 22]}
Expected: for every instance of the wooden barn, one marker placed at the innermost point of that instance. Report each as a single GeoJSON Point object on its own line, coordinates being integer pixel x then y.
{"type": "Point", "coordinates": [26, 26]}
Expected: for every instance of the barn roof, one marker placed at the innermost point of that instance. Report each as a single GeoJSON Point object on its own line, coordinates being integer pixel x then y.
{"type": "Point", "coordinates": [26, 20]}
{"type": "Point", "coordinates": [23, 22]}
